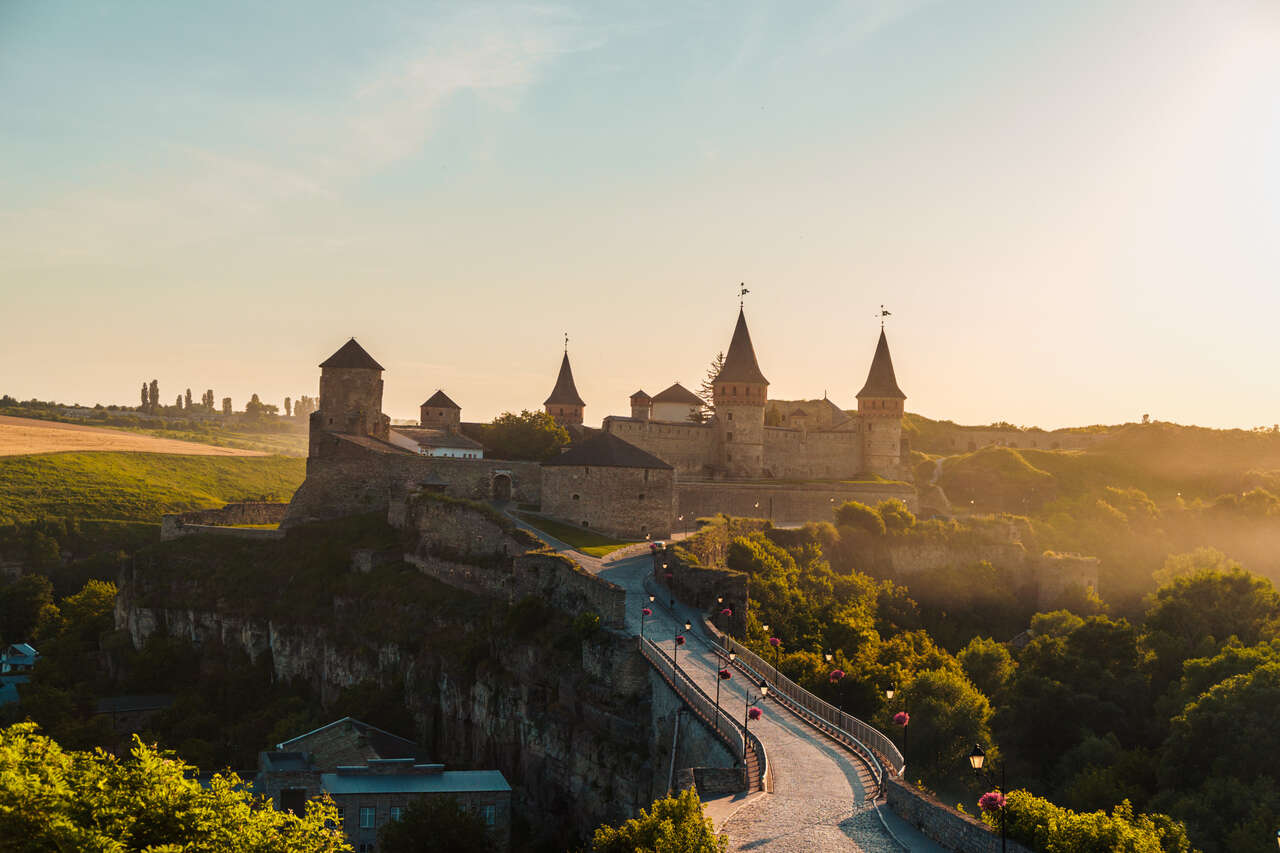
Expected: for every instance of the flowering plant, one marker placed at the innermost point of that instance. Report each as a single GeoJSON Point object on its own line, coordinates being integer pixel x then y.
{"type": "Point", "coordinates": [836, 675]}
{"type": "Point", "coordinates": [647, 612]}
{"type": "Point", "coordinates": [902, 718]}
{"type": "Point", "coordinates": [991, 801]}
{"type": "Point", "coordinates": [755, 714]}
{"type": "Point", "coordinates": [775, 642]}
{"type": "Point", "coordinates": [726, 612]}
{"type": "Point", "coordinates": [680, 641]}
{"type": "Point", "coordinates": [725, 674]}
{"type": "Point", "coordinates": [670, 576]}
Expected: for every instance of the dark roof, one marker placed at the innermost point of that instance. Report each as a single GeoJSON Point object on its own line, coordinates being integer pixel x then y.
{"type": "Point", "coordinates": [431, 437]}
{"type": "Point", "coordinates": [565, 393]}
{"type": "Point", "coordinates": [417, 780]}
{"type": "Point", "coordinates": [677, 393]}
{"type": "Point", "coordinates": [440, 400]}
{"type": "Point", "coordinates": [125, 704]}
{"type": "Point", "coordinates": [351, 355]}
{"type": "Point", "coordinates": [880, 379]}
{"type": "Point", "coordinates": [640, 395]}
{"type": "Point", "coordinates": [740, 362]}
{"type": "Point", "coordinates": [382, 742]}
{"type": "Point", "coordinates": [606, 450]}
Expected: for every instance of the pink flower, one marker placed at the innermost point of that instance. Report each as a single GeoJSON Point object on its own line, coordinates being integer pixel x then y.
{"type": "Point", "coordinates": [670, 576]}
{"type": "Point", "coordinates": [755, 714]}
{"type": "Point", "coordinates": [991, 801]}
{"type": "Point", "coordinates": [679, 641]}
{"type": "Point", "coordinates": [902, 718]}
{"type": "Point", "coordinates": [726, 612]}
{"type": "Point", "coordinates": [836, 675]}
{"type": "Point", "coordinates": [775, 642]}
{"type": "Point", "coordinates": [647, 612]}
{"type": "Point", "coordinates": [724, 673]}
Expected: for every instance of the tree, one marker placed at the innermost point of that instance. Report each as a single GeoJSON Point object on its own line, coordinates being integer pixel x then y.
{"type": "Point", "coordinates": [529, 435]}
{"type": "Point", "coordinates": [1041, 825]}
{"type": "Point", "coordinates": [947, 717]}
{"type": "Point", "coordinates": [897, 518]}
{"type": "Point", "coordinates": [435, 825]}
{"type": "Point", "coordinates": [672, 825]}
{"type": "Point", "coordinates": [988, 665]}
{"type": "Point", "coordinates": [20, 604]}
{"type": "Point", "coordinates": [155, 396]}
{"type": "Point", "coordinates": [188, 399]}
{"type": "Point", "coordinates": [288, 407]}
{"type": "Point", "coordinates": [226, 406]}
{"type": "Point", "coordinates": [707, 389]}
{"type": "Point", "coordinates": [55, 799]}
{"type": "Point", "coordinates": [208, 399]}
{"type": "Point", "coordinates": [178, 403]}
{"type": "Point", "coordinates": [145, 399]}
{"type": "Point", "coordinates": [860, 517]}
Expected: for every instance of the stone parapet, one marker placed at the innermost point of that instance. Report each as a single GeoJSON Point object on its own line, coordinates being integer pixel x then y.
{"type": "Point", "coordinates": [945, 825]}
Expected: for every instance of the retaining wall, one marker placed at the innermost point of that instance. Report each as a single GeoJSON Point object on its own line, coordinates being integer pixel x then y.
{"type": "Point", "coordinates": [221, 521]}
{"type": "Point", "coordinates": [945, 825]}
{"type": "Point", "coordinates": [783, 504]}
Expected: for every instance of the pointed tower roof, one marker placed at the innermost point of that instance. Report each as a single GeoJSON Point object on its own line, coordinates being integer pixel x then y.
{"type": "Point", "coordinates": [640, 395]}
{"type": "Point", "coordinates": [880, 380]}
{"type": "Point", "coordinates": [440, 400]}
{"type": "Point", "coordinates": [740, 362]}
{"type": "Point", "coordinates": [565, 393]}
{"type": "Point", "coordinates": [351, 355]}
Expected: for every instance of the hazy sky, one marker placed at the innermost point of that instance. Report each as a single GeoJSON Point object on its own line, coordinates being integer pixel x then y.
{"type": "Point", "coordinates": [1072, 209]}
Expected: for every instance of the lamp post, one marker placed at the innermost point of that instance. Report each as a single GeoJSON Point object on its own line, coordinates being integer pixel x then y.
{"type": "Point", "coordinates": [645, 613]}
{"type": "Point", "coordinates": [683, 525]}
{"type": "Point", "coordinates": [976, 759]}
{"type": "Point", "coordinates": [747, 717]}
{"type": "Point", "coordinates": [723, 675]}
{"type": "Point", "coordinates": [675, 653]}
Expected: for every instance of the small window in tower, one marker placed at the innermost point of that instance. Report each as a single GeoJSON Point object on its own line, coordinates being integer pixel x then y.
{"type": "Point", "coordinates": [730, 415]}
{"type": "Point", "coordinates": [641, 496]}
{"type": "Point", "coordinates": [735, 390]}
{"type": "Point", "coordinates": [584, 524]}
{"type": "Point", "coordinates": [728, 436]}
{"type": "Point", "coordinates": [575, 497]}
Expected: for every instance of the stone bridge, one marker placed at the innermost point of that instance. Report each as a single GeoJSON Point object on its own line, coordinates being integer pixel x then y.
{"type": "Point", "coordinates": [813, 782]}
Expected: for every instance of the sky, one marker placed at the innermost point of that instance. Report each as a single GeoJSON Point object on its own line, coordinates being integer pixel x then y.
{"type": "Point", "coordinates": [1071, 209]}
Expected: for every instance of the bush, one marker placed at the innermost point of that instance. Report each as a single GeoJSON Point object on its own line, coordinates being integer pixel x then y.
{"type": "Point", "coordinates": [672, 825]}
{"type": "Point", "coordinates": [895, 515]}
{"type": "Point", "coordinates": [1042, 826]}
{"type": "Point", "coordinates": [860, 517]}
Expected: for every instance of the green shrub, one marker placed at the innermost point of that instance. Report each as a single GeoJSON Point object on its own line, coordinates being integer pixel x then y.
{"type": "Point", "coordinates": [860, 517]}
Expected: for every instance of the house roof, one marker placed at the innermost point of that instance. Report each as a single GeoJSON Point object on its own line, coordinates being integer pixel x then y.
{"type": "Point", "coordinates": [606, 450]}
{"type": "Point", "coordinates": [565, 393]}
{"type": "Point", "coordinates": [880, 379]}
{"type": "Point", "coordinates": [640, 395]}
{"type": "Point", "coordinates": [352, 356]}
{"type": "Point", "coordinates": [677, 393]}
{"type": "Point", "coordinates": [126, 704]}
{"type": "Point", "coordinates": [23, 649]}
{"type": "Point", "coordinates": [383, 742]}
{"type": "Point", "coordinates": [440, 400]}
{"type": "Point", "coordinates": [285, 762]}
{"type": "Point", "coordinates": [419, 782]}
{"type": "Point", "coordinates": [740, 362]}
{"type": "Point", "coordinates": [431, 437]}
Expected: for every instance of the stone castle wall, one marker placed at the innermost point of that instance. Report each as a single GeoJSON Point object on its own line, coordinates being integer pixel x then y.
{"type": "Point", "coordinates": [624, 502]}
{"type": "Point", "coordinates": [963, 439]}
{"type": "Point", "coordinates": [792, 454]}
{"type": "Point", "coordinates": [368, 481]}
{"type": "Point", "coordinates": [791, 504]}
{"type": "Point", "coordinates": [688, 447]}
{"type": "Point", "coordinates": [223, 520]}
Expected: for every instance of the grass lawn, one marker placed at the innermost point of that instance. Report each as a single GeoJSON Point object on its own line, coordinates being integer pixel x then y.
{"type": "Point", "coordinates": [138, 486]}
{"type": "Point", "coordinates": [586, 541]}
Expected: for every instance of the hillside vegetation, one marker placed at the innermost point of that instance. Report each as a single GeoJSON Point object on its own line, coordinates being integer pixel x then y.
{"type": "Point", "coordinates": [137, 486]}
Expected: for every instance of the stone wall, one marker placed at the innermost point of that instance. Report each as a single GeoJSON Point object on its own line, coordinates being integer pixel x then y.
{"type": "Point", "coordinates": [1061, 574]}
{"type": "Point", "coordinates": [791, 504]}
{"type": "Point", "coordinates": [944, 438]}
{"type": "Point", "coordinates": [712, 781]}
{"type": "Point", "coordinates": [688, 447]}
{"type": "Point", "coordinates": [795, 454]}
{"type": "Point", "coordinates": [368, 481]}
{"type": "Point", "coordinates": [173, 525]}
{"type": "Point", "coordinates": [629, 503]}
{"type": "Point", "coordinates": [701, 586]}
{"type": "Point", "coordinates": [951, 829]}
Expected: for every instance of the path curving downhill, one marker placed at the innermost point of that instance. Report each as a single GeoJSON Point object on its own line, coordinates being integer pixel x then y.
{"type": "Point", "coordinates": [818, 800]}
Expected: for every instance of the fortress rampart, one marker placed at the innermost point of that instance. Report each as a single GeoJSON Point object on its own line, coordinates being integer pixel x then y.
{"type": "Point", "coordinates": [784, 504]}
{"type": "Point", "coordinates": [224, 521]}
{"type": "Point", "coordinates": [687, 447]}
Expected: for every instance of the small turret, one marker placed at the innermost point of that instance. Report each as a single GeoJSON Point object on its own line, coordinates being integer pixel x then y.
{"type": "Point", "coordinates": [739, 392]}
{"type": "Point", "coordinates": [440, 412]}
{"type": "Point", "coordinates": [880, 407]}
{"type": "Point", "coordinates": [565, 404]}
{"type": "Point", "coordinates": [350, 396]}
{"type": "Point", "coordinates": [641, 405]}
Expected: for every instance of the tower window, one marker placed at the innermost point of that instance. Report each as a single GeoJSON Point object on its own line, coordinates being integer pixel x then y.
{"type": "Point", "coordinates": [728, 436]}
{"type": "Point", "coordinates": [641, 496]}
{"type": "Point", "coordinates": [730, 415]}
{"type": "Point", "coordinates": [575, 497]}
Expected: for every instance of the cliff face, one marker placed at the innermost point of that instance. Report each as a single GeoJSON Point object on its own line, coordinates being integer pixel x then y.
{"type": "Point", "coordinates": [569, 719]}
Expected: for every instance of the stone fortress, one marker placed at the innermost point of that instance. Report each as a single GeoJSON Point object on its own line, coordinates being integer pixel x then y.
{"type": "Point", "coordinates": [643, 475]}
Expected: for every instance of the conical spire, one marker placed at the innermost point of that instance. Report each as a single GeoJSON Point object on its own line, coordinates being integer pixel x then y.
{"type": "Point", "coordinates": [880, 379]}
{"type": "Point", "coordinates": [565, 393]}
{"type": "Point", "coordinates": [740, 362]}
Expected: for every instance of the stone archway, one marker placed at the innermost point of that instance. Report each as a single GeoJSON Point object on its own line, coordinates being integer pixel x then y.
{"type": "Point", "coordinates": [502, 487]}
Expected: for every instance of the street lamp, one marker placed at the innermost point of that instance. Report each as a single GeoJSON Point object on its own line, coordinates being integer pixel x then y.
{"type": "Point", "coordinates": [645, 613]}
{"type": "Point", "coordinates": [777, 650]}
{"type": "Point", "coordinates": [888, 692]}
{"type": "Point", "coordinates": [724, 675]}
{"type": "Point", "coordinates": [755, 713]}
{"type": "Point", "coordinates": [678, 643]}
{"type": "Point", "coordinates": [976, 760]}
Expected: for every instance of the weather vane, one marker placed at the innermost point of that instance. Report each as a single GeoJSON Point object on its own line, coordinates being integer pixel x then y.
{"type": "Point", "coordinates": [566, 342]}
{"type": "Point", "coordinates": [742, 291]}
{"type": "Point", "coordinates": [883, 314]}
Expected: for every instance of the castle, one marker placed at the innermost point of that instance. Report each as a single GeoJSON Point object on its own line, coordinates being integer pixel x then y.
{"type": "Point", "coordinates": [636, 476]}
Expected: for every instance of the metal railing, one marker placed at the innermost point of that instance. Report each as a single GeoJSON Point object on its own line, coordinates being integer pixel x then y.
{"type": "Point", "coordinates": [740, 741]}
{"type": "Point", "coordinates": [874, 744]}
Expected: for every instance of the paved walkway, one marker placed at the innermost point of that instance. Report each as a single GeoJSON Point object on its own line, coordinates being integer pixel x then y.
{"type": "Point", "coordinates": [818, 800]}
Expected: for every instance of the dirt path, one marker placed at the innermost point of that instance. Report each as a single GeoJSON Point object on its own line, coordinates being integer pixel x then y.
{"type": "Point", "coordinates": [21, 436]}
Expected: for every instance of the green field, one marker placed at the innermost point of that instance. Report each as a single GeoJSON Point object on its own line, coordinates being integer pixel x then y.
{"type": "Point", "coordinates": [585, 541]}
{"type": "Point", "coordinates": [137, 486]}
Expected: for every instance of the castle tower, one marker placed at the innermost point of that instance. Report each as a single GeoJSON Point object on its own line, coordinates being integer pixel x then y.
{"type": "Point", "coordinates": [350, 397]}
{"type": "Point", "coordinates": [740, 392]}
{"type": "Point", "coordinates": [641, 405]}
{"type": "Point", "coordinates": [880, 408]}
{"type": "Point", "coordinates": [564, 404]}
{"type": "Point", "coordinates": [440, 412]}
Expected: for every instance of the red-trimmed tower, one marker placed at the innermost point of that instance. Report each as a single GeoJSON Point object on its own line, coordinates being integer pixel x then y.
{"type": "Point", "coordinates": [565, 404]}
{"type": "Point", "coordinates": [739, 393]}
{"type": "Point", "coordinates": [880, 408]}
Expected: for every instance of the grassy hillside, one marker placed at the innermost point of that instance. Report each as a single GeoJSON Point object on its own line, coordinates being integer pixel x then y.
{"type": "Point", "coordinates": [137, 486]}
